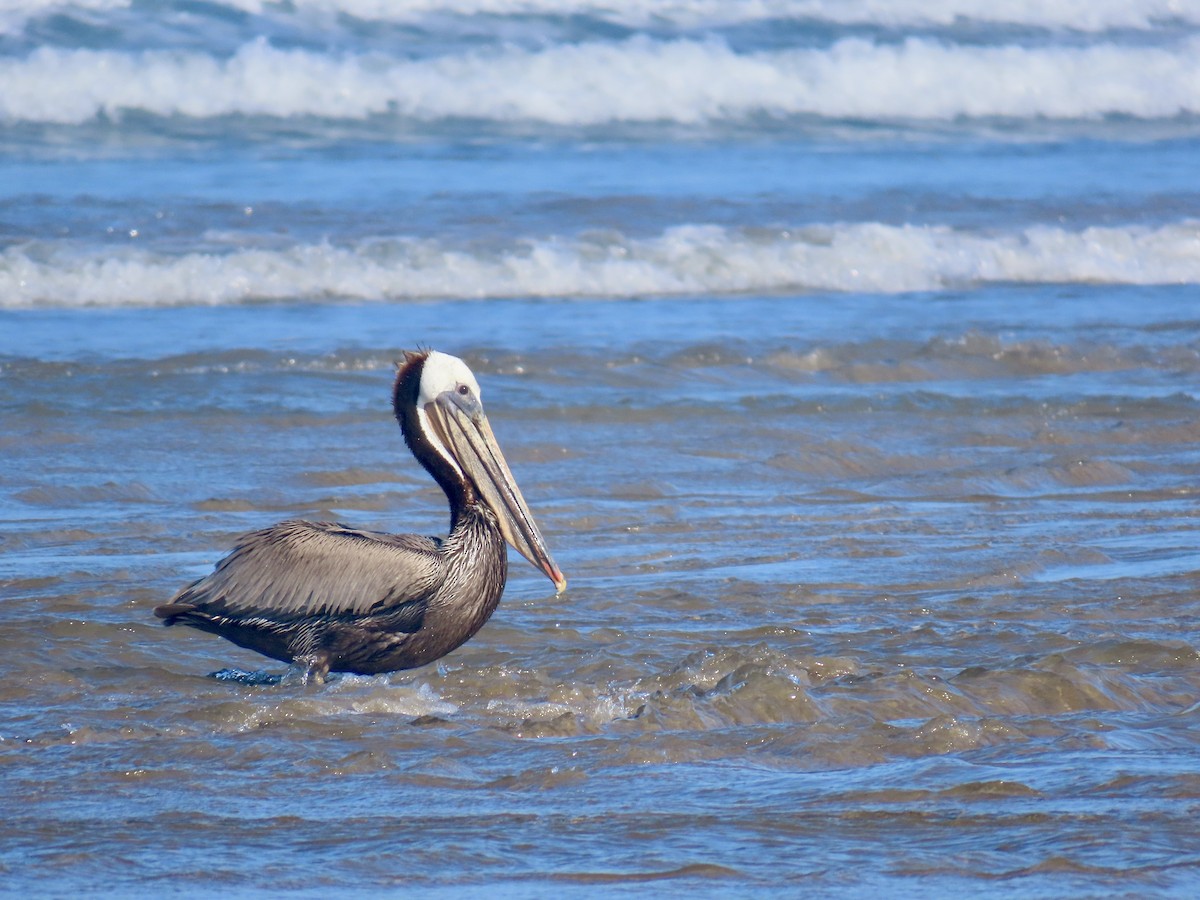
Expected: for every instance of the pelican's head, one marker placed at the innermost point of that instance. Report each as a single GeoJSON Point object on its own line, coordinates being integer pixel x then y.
{"type": "Point", "coordinates": [443, 399]}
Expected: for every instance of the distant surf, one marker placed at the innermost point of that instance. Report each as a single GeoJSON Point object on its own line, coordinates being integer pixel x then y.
{"type": "Point", "coordinates": [706, 259]}
{"type": "Point", "coordinates": [638, 80]}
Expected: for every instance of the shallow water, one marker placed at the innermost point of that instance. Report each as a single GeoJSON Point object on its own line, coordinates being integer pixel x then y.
{"type": "Point", "coordinates": [865, 431]}
{"type": "Point", "coordinates": [850, 613]}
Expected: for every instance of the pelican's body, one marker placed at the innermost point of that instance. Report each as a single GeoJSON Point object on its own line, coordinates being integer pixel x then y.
{"type": "Point", "coordinates": [333, 598]}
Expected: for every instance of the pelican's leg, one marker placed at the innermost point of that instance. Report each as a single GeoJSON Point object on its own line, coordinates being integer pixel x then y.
{"type": "Point", "coordinates": [311, 668]}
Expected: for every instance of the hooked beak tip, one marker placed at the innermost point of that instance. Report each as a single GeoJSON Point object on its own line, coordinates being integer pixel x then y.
{"type": "Point", "coordinates": [560, 582]}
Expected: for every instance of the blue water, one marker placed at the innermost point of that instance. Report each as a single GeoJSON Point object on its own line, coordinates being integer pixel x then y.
{"type": "Point", "coordinates": [847, 356]}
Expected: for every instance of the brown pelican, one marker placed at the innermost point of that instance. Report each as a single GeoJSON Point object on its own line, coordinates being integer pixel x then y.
{"type": "Point", "coordinates": [327, 597]}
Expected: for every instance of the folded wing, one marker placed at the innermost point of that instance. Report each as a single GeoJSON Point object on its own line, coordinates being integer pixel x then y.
{"type": "Point", "coordinates": [295, 570]}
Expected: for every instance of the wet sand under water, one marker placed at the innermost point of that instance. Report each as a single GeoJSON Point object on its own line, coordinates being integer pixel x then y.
{"type": "Point", "coordinates": [855, 604]}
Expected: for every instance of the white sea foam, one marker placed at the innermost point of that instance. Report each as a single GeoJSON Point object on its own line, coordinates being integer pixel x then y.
{"type": "Point", "coordinates": [1078, 15]}
{"type": "Point", "coordinates": [639, 80]}
{"type": "Point", "coordinates": [691, 259]}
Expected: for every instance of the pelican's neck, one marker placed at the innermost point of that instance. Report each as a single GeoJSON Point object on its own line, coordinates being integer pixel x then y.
{"type": "Point", "coordinates": [459, 494]}
{"type": "Point", "coordinates": [475, 545]}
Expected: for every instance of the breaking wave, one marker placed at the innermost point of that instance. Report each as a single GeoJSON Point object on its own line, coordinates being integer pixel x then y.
{"type": "Point", "coordinates": [689, 259]}
{"type": "Point", "coordinates": [682, 81]}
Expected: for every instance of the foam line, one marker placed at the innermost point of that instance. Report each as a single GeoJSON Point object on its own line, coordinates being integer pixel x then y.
{"type": "Point", "coordinates": [638, 80]}
{"type": "Point", "coordinates": [689, 259]}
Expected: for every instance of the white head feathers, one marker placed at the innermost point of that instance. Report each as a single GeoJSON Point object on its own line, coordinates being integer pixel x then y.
{"type": "Point", "coordinates": [443, 372]}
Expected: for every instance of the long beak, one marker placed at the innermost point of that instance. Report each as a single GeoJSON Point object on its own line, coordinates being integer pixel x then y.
{"type": "Point", "coordinates": [464, 429]}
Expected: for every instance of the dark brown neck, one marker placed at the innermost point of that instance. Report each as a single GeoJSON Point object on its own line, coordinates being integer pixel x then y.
{"type": "Point", "coordinates": [405, 394]}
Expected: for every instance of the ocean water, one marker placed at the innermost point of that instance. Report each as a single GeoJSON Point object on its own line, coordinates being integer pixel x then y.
{"type": "Point", "coordinates": [847, 353]}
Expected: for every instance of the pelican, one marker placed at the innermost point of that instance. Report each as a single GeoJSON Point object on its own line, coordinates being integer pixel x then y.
{"type": "Point", "coordinates": [326, 597]}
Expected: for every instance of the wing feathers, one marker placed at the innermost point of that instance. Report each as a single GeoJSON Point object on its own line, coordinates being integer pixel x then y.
{"type": "Point", "coordinates": [298, 569]}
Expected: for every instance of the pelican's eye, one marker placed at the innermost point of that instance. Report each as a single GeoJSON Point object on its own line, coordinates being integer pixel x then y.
{"type": "Point", "coordinates": [464, 390]}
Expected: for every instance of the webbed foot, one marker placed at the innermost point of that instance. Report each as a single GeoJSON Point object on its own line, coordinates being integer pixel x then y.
{"type": "Point", "coordinates": [243, 677]}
